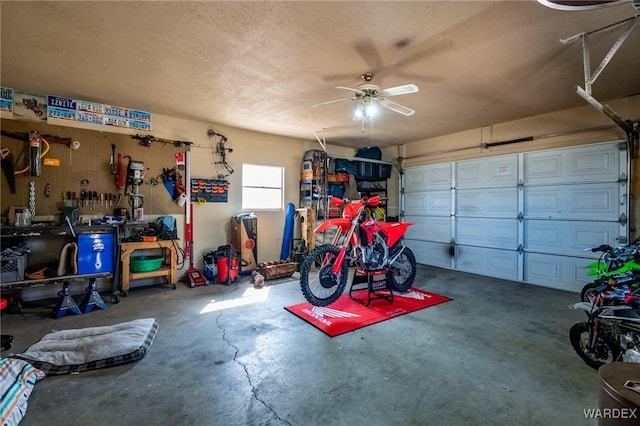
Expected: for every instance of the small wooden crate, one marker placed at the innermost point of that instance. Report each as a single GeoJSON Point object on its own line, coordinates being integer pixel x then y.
{"type": "Point", "coordinates": [279, 269]}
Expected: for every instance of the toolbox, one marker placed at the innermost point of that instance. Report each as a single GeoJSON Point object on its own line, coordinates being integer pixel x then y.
{"type": "Point", "coordinates": [95, 253]}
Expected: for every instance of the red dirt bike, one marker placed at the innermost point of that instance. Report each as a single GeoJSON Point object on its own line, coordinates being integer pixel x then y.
{"type": "Point", "coordinates": [363, 241]}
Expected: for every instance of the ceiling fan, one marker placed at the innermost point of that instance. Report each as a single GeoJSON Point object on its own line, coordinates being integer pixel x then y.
{"type": "Point", "coordinates": [370, 95]}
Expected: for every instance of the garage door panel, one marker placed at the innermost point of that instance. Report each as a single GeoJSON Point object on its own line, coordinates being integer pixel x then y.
{"type": "Point", "coordinates": [552, 204]}
{"type": "Point", "coordinates": [484, 173]}
{"type": "Point", "coordinates": [560, 272]}
{"type": "Point", "coordinates": [597, 163]}
{"type": "Point", "coordinates": [431, 203]}
{"type": "Point", "coordinates": [429, 228]}
{"type": "Point", "coordinates": [496, 233]}
{"type": "Point", "coordinates": [435, 177]}
{"type": "Point", "coordinates": [574, 202]}
{"type": "Point", "coordinates": [430, 253]}
{"type": "Point", "coordinates": [487, 202]}
{"type": "Point", "coordinates": [487, 261]}
{"type": "Point", "coordinates": [568, 237]}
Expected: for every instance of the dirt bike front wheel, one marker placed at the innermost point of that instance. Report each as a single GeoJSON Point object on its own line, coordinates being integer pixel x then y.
{"type": "Point", "coordinates": [603, 351]}
{"type": "Point", "coordinates": [320, 286]}
{"type": "Point", "coordinates": [402, 272]}
{"type": "Point", "coordinates": [589, 292]}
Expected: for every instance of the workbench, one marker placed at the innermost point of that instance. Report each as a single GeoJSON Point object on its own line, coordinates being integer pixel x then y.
{"type": "Point", "coordinates": [59, 234]}
{"type": "Point", "coordinates": [169, 269]}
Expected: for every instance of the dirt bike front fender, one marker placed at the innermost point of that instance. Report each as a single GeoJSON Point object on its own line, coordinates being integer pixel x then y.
{"type": "Point", "coordinates": [585, 306]}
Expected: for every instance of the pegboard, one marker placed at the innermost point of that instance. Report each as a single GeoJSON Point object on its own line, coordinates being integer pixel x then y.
{"type": "Point", "coordinates": [88, 168]}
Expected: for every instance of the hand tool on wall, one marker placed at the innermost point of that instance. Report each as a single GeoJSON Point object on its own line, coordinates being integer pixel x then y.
{"type": "Point", "coordinates": [95, 198]}
{"type": "Point", "coordinates": [113, 158]}
{"type": "Point", "coordinates": [119, 179]}
{"type": "Point", "coordinates": [7, 168]}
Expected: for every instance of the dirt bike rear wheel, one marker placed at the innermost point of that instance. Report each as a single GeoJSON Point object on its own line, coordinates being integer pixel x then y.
{"type": "Point", "coordinates": [320, 286]}
{"type": "Point", "coordinates": [604, 351]}
{"type": "Point", "coordinates": [402, 272]}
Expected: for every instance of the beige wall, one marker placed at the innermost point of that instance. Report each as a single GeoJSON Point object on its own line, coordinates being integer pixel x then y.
{"type": "Point", "coordinates": [211, 221]}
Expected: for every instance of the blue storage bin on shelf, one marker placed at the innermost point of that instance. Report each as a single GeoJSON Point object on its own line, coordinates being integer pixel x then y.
{"type": "Point", "coordinates": [95, 253]}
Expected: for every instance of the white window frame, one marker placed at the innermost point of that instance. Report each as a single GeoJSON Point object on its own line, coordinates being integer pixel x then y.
{"type": "Point", "coordinates": [253, 185]}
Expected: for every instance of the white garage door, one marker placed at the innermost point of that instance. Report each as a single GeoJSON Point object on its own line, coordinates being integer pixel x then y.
{"type": "Point", "coordinates": [524, 217]}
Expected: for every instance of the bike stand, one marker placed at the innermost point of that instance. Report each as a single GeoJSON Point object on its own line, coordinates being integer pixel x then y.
{"type": "Point", "coordinates": [92, 298]}
{"type": "Point", "coordinates": [65, 303]}
{"type": "Point", "coordinates": [373, 286]}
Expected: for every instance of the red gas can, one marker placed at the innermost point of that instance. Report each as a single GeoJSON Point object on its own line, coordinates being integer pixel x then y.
{"type": "Point", "coordinates": [228, 262]}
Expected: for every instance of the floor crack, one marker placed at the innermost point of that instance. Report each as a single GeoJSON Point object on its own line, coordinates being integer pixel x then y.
{"type": "Point", "coordinates": [246, 370]}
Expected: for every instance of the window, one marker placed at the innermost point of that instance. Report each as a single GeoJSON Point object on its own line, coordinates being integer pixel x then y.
{"type": "Point", "coordinates": [262, 187]}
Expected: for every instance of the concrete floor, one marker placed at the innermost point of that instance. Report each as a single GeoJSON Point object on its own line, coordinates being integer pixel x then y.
{"type": "Point", "coordinates": [498, 354]}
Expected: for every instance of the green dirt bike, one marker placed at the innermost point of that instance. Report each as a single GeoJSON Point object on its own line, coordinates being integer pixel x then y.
{"type": "Point", "coordinates": [614, 262]}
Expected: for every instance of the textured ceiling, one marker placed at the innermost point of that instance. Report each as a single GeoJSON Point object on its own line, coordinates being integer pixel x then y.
{"type": "Point", "coordinates": [263, 65]}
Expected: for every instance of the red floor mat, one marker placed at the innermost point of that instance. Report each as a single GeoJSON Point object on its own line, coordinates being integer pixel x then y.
{"type": "Point", "coordinates": [347, 315]}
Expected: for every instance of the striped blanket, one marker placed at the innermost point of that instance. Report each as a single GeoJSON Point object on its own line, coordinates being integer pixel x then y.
{"type": "Point", "coordinates": [17, 380]}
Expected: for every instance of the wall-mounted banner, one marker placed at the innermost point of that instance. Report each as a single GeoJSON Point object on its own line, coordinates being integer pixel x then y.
{"type": "Point", "coordinates": [61, 108]}
{"type": "Point", "coordinates": [6, 102]}
{"type": "Point", "coordinates": [27, 106]}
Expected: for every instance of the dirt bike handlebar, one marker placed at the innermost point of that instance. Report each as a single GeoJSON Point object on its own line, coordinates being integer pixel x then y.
{"type": "Point", "coordinates": [369, 201]}
{"type": "Point", "coordinates": [603, 248]}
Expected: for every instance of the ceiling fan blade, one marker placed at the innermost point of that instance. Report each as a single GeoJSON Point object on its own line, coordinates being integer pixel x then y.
{"type": "Point", "coordinates": [351, 90]}
{"type": "Point", "coordinates": [400, 90]}
{"type": "Point", "coordinates": [336, 101]}
{"type": "Point", "coordinates": [400, 109]}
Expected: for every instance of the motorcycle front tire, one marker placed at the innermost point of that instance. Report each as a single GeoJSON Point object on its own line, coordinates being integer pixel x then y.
{"type": "Point", "coordinates": [402, 272]}
{"type": "Point", "coordinates": [605, 350]}
{"type": "Point", "coordinates": [320, 286]}
{"type": "Point", "coordinates": [588, 291]}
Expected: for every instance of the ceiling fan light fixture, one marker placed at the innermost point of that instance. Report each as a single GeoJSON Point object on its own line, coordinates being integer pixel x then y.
{"type": "Point", "coordinates": [370, 110]}
{"type": "Point", "coordinates": [358, 113]}
{"type": "Point", "coordinates": [364, 110]}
